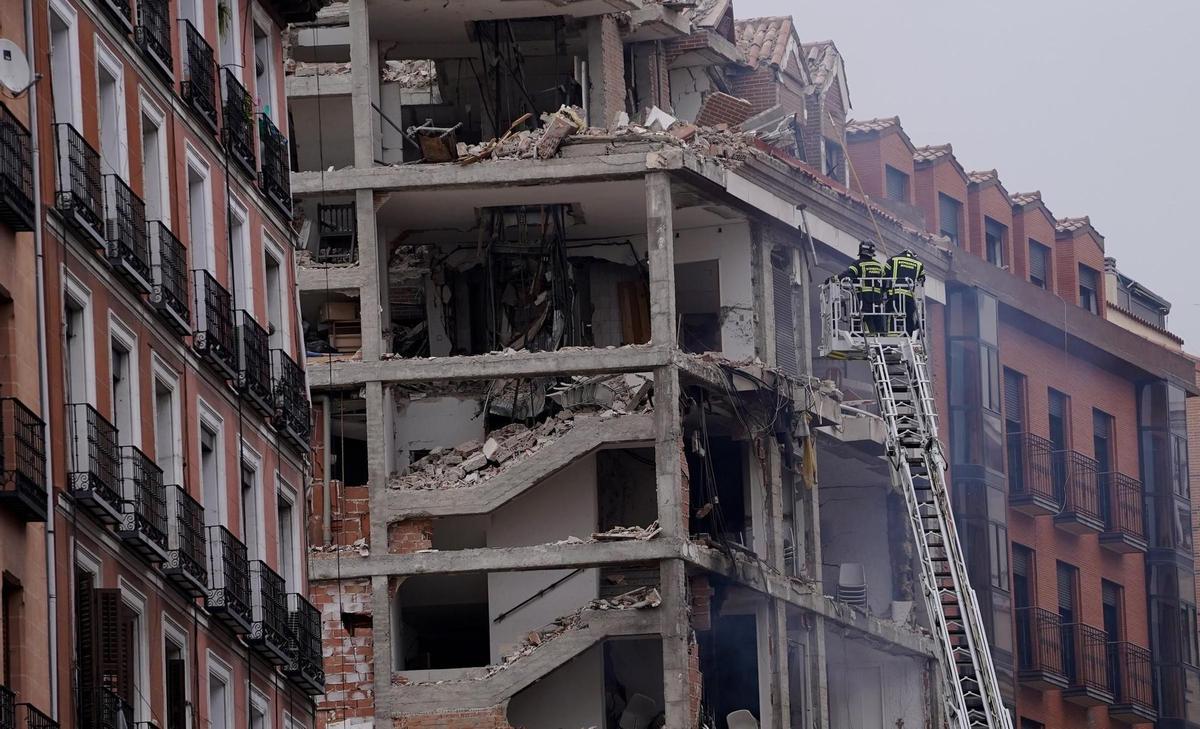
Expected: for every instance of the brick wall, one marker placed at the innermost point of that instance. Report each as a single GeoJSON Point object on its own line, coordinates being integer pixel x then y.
{"type": "Point", "coordinates": [932, 179]}
{"type": "Point", "coordinates": [493, 718]}
{"type": "Point", "coordinates": [410, 535]}
{"type": "Point", "coordinates": [870, 155]}
{"type": "Point", "coordinates": [351, 517]}
{"type": "Point", "coordinates": [721, 108]}
{"type": "Point", "coordinates": [611, 74]}
{"type": "Point", "coordinates": [759, 87]}
{"type": "Point", "coordinates": [1071, 250]}
{"type": "Point", "coordinates": [990, 201]}
{"type": "Point", "coordinates": [349, 659]}
{"type": "Point", "coordinates": [1034, 222]}
{"type": "Point", "coordinates": [695, 682]}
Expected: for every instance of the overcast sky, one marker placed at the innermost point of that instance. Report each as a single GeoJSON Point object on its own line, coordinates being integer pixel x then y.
{"type": "Point", "coordinates": [1096, 104]}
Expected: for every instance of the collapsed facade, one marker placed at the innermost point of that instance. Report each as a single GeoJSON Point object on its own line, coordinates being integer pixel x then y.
{"type": "Point", "coordinates": [576, 461]}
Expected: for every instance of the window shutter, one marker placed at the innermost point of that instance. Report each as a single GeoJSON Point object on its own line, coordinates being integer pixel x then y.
{"type": "Point", "coordinates": [109, 648]}
{"type": "Point", "coordinates": [1014, 397]}
{"type": "Point", "coordinates": [1037, 261]}
{"type": "Point", "coordinates": [1020, 561]}
{"type": "Point", "coordinates": [785, 319]}
{"type": "Point", "coordinates": [125, 670]}
{"type": "Point", "coordinates": [1066, 589]}
{"type": "Point", "coordinates": [85, 646]}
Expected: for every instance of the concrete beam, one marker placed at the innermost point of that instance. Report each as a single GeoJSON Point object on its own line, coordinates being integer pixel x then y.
{"type": "Point", "coordinates": [334, 278]}
{"type": "Point", "coordinates": [565, 362]}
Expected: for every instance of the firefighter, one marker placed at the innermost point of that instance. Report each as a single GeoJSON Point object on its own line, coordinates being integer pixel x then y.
{"type": "Point", "coordinates": [868, 275]}
{"type": "Point", "coordinates": [904, 273]}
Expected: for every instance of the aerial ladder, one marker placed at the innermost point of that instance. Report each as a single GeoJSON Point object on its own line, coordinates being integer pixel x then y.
{"type": "Point", "coordinates": [900, 371]}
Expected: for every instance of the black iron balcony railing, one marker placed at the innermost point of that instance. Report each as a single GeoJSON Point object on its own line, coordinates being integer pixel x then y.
{"type": "Point", "coordinates": [80, 193]}
{"type": "Point", "coordinates": [112, 711]}
{"type": "Point", "coordinates": [228, 580]}
{"type": "Point", "coordinates": [120, 11]}
{"type": "Point", "coordinates": [237, 122]}
{"type": "Point", "coordinates": [95, 465]}
{"type": "Point", "coordinates": [305, 665]}
{"type": "Point", "coordinates": [16, 173]}
{"type": "Point", "coordinates": [275, 170]}
{"type": "Point", "coordinates": [1121, 507]}
{"type": "Point", "coordinates": [1131, 677]}
{"type": "Point", "coordinates": [214, 336]}
{"type": "Point", "coordinates": [8, 708]}
{"type": "Point", "coordinates": [187, 564]}
{"type": "Point", "coordinates": [144, 526]}
{"type": "Point", "coordinates": [153, 34]}
{"type": "Point", "coordinates": [28, 717]}
{"type": "Point", "coordinates": [125, 230]}
{"type": "Point", "coordinates": [1085, 658]}
{"type": "Point", "coordinates": [254, 363]}
{"type": "Point", "coordinates": [293, 411]}
{"type": "Point", "coordinates": [337, 240]}
{"type": "Point", "coordinates": [1030, 474]}
{"type": "Point", "coordinates": [199, 87]}
{"type": "Point", "coordinates": [1040, 658]}
{"type": "Point", "coordinates": [269, 613]}
{"type": "Point", "coordinates": [168, 269]}
{"type": "Point", "coordinates": [22, 460]}
{"type": "Point", "coordinates": [1077, 484]}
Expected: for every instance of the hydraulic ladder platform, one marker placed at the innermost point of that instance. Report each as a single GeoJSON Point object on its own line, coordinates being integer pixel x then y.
{"type": "Point", "coordinates": [900, 372]}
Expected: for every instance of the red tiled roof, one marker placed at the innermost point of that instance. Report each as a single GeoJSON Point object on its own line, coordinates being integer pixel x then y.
{"type": "Point", "coordinates": [1070, 225]}
{"type": "Point", "coordinates": [1026, 198]}
{"type": "Point", "coordinates": [822, 60]}
{"type": "Point", "coordinates": [764, 41]}
{"type": "Point", "coordinates": [931, 152]}
{"type": "Point", "coordinates": [856, 126]}
{"type": "Point", "coordinates": [979, 176]}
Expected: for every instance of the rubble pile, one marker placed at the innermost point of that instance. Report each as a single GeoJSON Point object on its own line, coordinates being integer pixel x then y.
{"type": "Point", "coordinates": [474, 462]}
{"type": "Point", "coordinates": [624, 533]}
{"type": "Point", "coordinates": [358, 545]}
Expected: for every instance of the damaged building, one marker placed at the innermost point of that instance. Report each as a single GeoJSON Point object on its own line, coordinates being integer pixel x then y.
{"type": "Point", "coordinates": [576, 460]}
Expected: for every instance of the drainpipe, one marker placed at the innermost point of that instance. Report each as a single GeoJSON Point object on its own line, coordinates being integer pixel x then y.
{"type": "Point", "coordinates": [43, 376]}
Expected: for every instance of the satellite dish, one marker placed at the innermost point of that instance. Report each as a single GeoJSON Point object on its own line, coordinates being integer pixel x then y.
{"type": "Point", "coordinates": [15, 75]}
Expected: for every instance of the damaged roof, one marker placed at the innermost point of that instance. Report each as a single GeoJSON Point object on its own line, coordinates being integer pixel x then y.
{"type": "Point", "coordinates": [931, 152]}
{"type": "Point", "coordinates": [765, 41]}
{"type": "Point", "coordinates": [981, 176]}
{"type": "Point", "coordinates": [1072, 225]}
{"type": "Point", "coordinates": [708, 13]}
{"type": "Point", "coordinates": [1026, 198]}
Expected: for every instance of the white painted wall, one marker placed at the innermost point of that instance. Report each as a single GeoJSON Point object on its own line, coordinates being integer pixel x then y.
{"type": "Point", "coordinates": [688, 87]}
{"type": "Point", "coordinates": [571, 696]}
{"type": "Point", "coordinates": [869, 688]}
{"type": "Point", "coordinates": [430, 422]}
{"type": "Point", "coordinates": [730, 246]}
{"type": "Point", "coordinates": [538, 517]}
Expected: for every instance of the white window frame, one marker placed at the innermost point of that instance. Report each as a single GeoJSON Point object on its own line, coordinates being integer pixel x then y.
{"type": "Point", "coordinates": [74, 290]}
{"type": "Point", "coordinates": [239, 57]}
{"type": "Point", "coordinates": [285, 493]}
{"type": "Point", "coordinates": [275, 251]}
{"type": "Point", "coordinates": [121, 334]}
{"type": "Point", "coordinates": [136, 601]}
{"type": "Point", "coordinates": [172, 631]}
{"type": "Point", "coordinates": [208, 417]}
{"type": "Point", "coordinates": [260, 18]}
{"type": "Point", "coordinates": [260, 702]}
{"type": "Point", "coordinates": [108, 61]}
{"type": "Point", "coordinates": [252, 458]}
{"type": "Point", "coordinates": [196, 162]}
{"type": "Point", "coordinates": [224, 673]}
{"type": "Point", "coordinates": [151, 110]}
{"type": "Point", "coordinates": [242, 285]}
{"type": "Point", "coordinates": [163, 373]}
{"type": "Point", "coordinates": [67, 14]}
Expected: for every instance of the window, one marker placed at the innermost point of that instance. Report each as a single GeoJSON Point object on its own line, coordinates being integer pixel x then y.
{"type": "Point", "coordinates": [64, 65]}
{"type": "Point", "coordinates": [950, 218]}
{"type": "Point", "coordinates": [994, 237]}
{"type": "Point", "coordinates": [1039, 264]}
{"type": "Point", "coordinates": [10, 628]}
{"type": "Point", "coordinates": [258, 709]}
{"type": "Point", "coordinates": [286, 511]}
{"type": "Point", "coordinates": [1102, 445]}
{"type": "Point", "coordinates": [80, 363]}
{"type": "Point", "coordinates": [989, 373]}
{"type": "Point", "coordinates": [998, 549]}
{"type": "Point", "coordinates": [264, 72]}
{"type": "Point", "coordinates": [897, 184]}
{"type": "Point", "coordinates": [124, 371]}
{"type": "Point", "coordinates": [220, 694]}
{"type": "Point", "coordinates": [1022, 576]}
{"type": "Point", "coordinates": [229, 32]}
{"type": "Point", "coordinates": [156, 183]}
{"type": "Point", "coordinates": [200, 222]}
{"type": "Point", "coordinates": [1111, 601]}
{"type": "Point", "coordinates": [835, 161]}
{"type": "Point", "coordinates": [211, 470]}
{"type": "Point", "coordinates": [1068, 590]}
{"type": "Point", "coordinates": [110, 112]}
{"type": "Point", "coordinates": [167, 437]}
{"type": "Point", "coordinates": [191, 11]}
{"type": "Point", "coordinates": [134, 634]}
{"type": "Point", "coordinates": [1060, 415]}
{"type": "Point", "coordinates": [1014, 401]}
{"type": "Point", "coordinates": [175, 675]}
{"type": "Point", "coordinates": [251, 510]}
{"type": "Point", "coordinates": [276, 302]}
{"type": "Point", "coordinates": [1089, 289]}
{"type": "Point", "coordinates": [239, 236]}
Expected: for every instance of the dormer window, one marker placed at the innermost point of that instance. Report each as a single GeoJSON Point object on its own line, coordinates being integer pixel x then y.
{"type": "Point", "coordinates": [994, 235]}
{"type": "Point", "coordinates": [1089, 289]}
{"type": "Point", "coordinates": [835, 161]}
{"type": "Point", "coordinates": [897, 184]}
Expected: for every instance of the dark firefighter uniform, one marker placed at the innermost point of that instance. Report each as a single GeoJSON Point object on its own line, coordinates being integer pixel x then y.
{"type": "Point", "coordinates": [868, 275]}
{"type": "Point", "coordinates": [904, 273]}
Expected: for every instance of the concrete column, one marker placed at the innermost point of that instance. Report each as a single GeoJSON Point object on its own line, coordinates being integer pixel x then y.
{"type": "Point", "coordinates": [764, 293]}
{"type": "Point", "coordinates": [374, 271]}
{"type": "Point", "coordinates": [364, 85]}
{"type": "Point", "coordinates": [379, 461]}
{"type": "Point", "coordinates": [660, 242]}
{"type": "Point", "coordinates": [381, 638]}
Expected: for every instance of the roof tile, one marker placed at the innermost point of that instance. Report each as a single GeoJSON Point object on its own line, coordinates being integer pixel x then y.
{"type": "Point", "coordinates": [1026, 198]}
{"type": "Point", "coordinates": [931, 152]}
{"type": "Point", "coordinates": [822, 60]}
{"type": "Point", "coordinates": [980, 176]}
{"type": "Point", "coordinates": [1070, 225]}
{"type": "Point", "coordinates": [863, 126]}
{"type": "Point", "coordinates": [764, 41]}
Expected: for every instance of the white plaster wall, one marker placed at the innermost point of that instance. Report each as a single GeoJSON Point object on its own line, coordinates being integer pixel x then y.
{"type": "Point", "coordinates": [870, 689]}
{"type": "Point", "coordinates": [729, 245]}
{"type": "Point", "coordinates": [571, 696]}
{"type": "Point", "coordinates": [688, 88]}
{"type": "Point", "coordinates": [538, 517]}
{"type": "Point", "coordinates": [430, 422]}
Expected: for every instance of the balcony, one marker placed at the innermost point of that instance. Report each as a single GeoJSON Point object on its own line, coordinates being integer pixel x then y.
{"type": "Point", "coordinates": [305, 666]}
{"type": "Point", "coordinates": [337, 239]}
{"type": "Point", "coordinates": [1077, 483]}
{"type": "Point", "coordinates": [22, 461]}
{"type": "Point", "coordinates": [199, 87]}
{"type": "Point", "coordinates": [1121, 504]}
{"type": "Point", "coordinates": [168, 275]}
{"type": "Point", "coordinates": [269, 614]}
{"type": "Point", "coordinates": [275, 172]}
{"type": "Point", "coordinates": [153, 35]}
{"type": "Point", "coordinates": [1030, 481]}
{"type": "Point", "coordinates": [16, 173]}
{"type": "Point", "coordinates": [1085, 658]}
{"type": "Point", "coordinates": [1131, 673]}
{"type": "Point", "coordinates": [254, 364]}
{"type": "Point", "coordinates": [125, 230]}
{"type": "Point", "coordinates": [228, 580]}
{"type": "Point", "coordinates": [1040, 663]}
{"type": "Point", "coordinates": [80, 193]}
{"type": "Point", "coordinates": [237, 123]}
{"type": "Point", "coordinates": [95, 467]}
{"type": "Point", "coordinates": [186, 565]}
{"type": "Point", "coordinates": [120, 11]}
{"type": "Point", "coordinates": [144, 526]}
{"type": "Point", "coordinates": [112, 711]}
{"type": "Point", "coordinates": [28, 717]}
{"type": "Point", "coordinates": [293, 413]}
{"type": "Point", "coordinates": [213, 337]}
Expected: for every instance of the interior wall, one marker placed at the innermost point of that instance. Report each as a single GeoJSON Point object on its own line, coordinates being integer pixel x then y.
{"type": "Point", "coordinates": [626, 486]}
{"type": "Point", "coordinates": [870, 688]}
{"type": "Point", "coordinates": [632, 666]}
{"type": "Point", "coordinates": [538, 517]}
{"type": "Point", "coordinates": [729, 245]}
{"type": "Point", "coordinates": [431, 422]}
{"type": "Point", "coordinates": [570, 696]}
{"type": "Point", "coordinates": [689, 86]}
{"type": "Point", "coordinates": [330, 142]}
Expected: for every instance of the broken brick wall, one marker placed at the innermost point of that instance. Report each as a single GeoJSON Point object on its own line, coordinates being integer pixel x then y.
{"type": "Point", "coordinates": [348, 648]}
{"type": "Point", "coordinates": [493, 718]}
{"type": "Point", "coordinates": [410, 535]}
{"type": "Point", "coordinates": [351, 513]}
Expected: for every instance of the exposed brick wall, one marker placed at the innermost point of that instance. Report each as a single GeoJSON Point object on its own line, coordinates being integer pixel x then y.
{"type": "Point", "coordinates": [700, 592]}
{"type": "Point", "coordinates": [721, 108]}
{"type": "Point", "coordinates": [349, 660]}
{"type": "Point", "coordinates": [685, 488]}
{"type": "Point", "coordinates": [676, 47]}
{"type": "Point", "coordinates": [493, 718]}
{"type": "Point", "coordinates": [759, 87]}
{"type": "Point", "coordinates": [410, 535]}
{"type": "Point", "coordinates": [871, 154]}
{"type": "Point", "coordinates": [988, 200]}
{"type": "Point", "coordinates": [941, 177]}
{"type": "Point", "coordinates": [695, 682]}
{"type": "Point", "coordinates": [351, 519]}
{"type": "Point", "coordinates": [1033, 222]}
{"type": "Point", "coordinates": [608, 80]}
{"type": "Point", "coordinates": [1071, 250]}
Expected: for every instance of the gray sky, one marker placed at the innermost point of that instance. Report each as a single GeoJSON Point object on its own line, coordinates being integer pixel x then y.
{"type": "Point", "coordinates": [1090, 101]}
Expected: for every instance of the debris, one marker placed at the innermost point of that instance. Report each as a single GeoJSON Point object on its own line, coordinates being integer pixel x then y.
{"type": "Point", "coordinates": [560, 125]}
{"type": "Point", "coordinates": [474, 463]}
{"type": "Point", "coordinates": [490, 448]}
{"type": "Point", "coordinates": [623, 533]}
{"type": "Point", "coordinates": [658, 120]}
